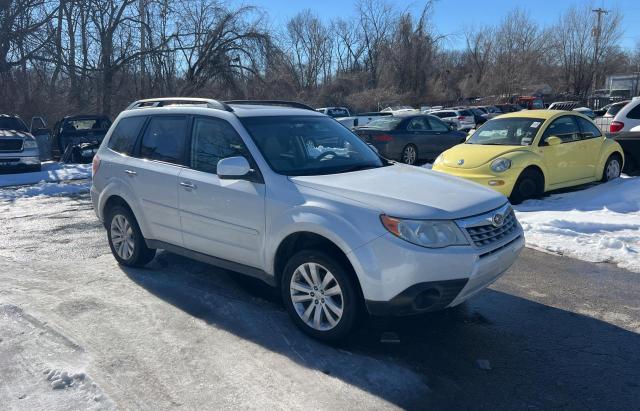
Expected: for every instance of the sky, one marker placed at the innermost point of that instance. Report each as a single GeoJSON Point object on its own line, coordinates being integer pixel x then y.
{"type": "Point", "coordinates": [452, 16]}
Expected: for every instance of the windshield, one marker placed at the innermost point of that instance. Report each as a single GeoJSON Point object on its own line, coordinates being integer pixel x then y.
{"type": "Point", "coordinates": [86, 124]}
{"type": "Point", "coordinates": [387, 123]}
{"type": "Point", "coordinates": [305, 145]}
{"type": "Point", "coordinates": [507, 132]}
{"type": "Point", "coordinates": [12, 123]}
{"type": "Point", "coordinates": [613, 110]}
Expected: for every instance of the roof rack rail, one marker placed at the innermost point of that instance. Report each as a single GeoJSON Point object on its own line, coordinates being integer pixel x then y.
{"type": "Point", "coordinates": [284, 103]}
{"type": "Point", "coordinates": [179, 101]}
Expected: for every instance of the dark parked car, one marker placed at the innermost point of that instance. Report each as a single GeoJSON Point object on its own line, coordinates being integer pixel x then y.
{"type": "Point", "coordinates": [72, 131]}
{"type": "Point", "coordinates": [630, 143]}
{"type": "Point", "coordinates": [479, 115]}
{"type": "Point", "coordinates": [410, 138]}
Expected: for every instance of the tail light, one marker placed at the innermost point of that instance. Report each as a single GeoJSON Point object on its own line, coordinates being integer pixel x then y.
{"type": "Point", "coordinates": [383, 138]}
{"type": "Point", "coordinates": [95, 164]}
{"type": "Point", "coordinates": [615, 126]}
{"type": "Point", "coordinates": [461, 118]}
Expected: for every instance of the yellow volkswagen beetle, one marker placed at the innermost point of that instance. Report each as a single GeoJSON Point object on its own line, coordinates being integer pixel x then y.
{"type": "Point", "coordinates": [526, 153]}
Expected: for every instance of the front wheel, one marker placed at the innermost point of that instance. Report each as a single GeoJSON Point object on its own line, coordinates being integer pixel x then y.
{"type": "Point", "coordinates": [409, 154]}
{"type": "Point", "coordinates": [319, 295]}
{"type": "Point", "coordinates": [530, 184]}
{"type": "Point", "coordinates": [612, 168]}
{"type": "Point", "coordinates": [125, 238]}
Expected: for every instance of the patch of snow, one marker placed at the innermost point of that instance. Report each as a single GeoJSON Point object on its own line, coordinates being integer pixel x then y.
{"type": "Point", "coordinates": [427, 165]}
{"type": "Point", "coordinates": [51, 172]}
{"type": "Point", "coordinates": [598, 224]}
{"type": "Point", "coordinates": [44, 189]}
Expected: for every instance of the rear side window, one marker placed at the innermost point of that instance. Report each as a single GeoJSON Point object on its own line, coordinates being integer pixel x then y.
{"type": "Point", "coordinates": [212, 140]}
{"type": "Point", "coordinates": [164, 139]}
{"type": "Point", "coordinates": [123, 138]}
{"type": "Point", "coordinates": [634, 113]}
{"type": "Point", "coordinates": [418, 124]}
{"type": "Point", "coordinates": [589, 130]}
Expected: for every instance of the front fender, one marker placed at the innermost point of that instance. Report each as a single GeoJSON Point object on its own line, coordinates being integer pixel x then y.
{"type": "Point", "coordinates": [523, 159]}
{"type": "Point", "coordinates": [337, 228]}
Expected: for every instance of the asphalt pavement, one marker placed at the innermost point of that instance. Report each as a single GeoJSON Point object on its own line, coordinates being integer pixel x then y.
{"type": "Point", "coordinates": [552, 333]}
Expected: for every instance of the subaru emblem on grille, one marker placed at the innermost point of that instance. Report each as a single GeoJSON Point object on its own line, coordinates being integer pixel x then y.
{"type": "Point", "coordinates": [497, 220]}
{"type": "Point", "coordinates": [461, 161]}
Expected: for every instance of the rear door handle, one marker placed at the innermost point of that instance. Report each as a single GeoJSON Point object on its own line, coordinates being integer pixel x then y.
{"type": "Point", "coordinates": [188, 185]}
{"type": "Point", "coordinates": [130, 172]}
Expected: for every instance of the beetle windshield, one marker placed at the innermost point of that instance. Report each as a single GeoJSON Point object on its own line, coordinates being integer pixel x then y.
{"type": "Point", "coordinates": [310, 145]}
{"type": "Point", "coordinates": [514, 131]}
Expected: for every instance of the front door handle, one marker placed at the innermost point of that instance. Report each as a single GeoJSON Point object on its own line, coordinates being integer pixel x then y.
{"type": "Point", "coordinates": [130, 172]}
{"type": "Point", "coordinates": [188, 185]}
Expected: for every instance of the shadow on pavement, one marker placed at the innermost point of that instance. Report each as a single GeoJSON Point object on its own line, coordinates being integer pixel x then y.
{"type": "Point", "coordinates": [497, 351]}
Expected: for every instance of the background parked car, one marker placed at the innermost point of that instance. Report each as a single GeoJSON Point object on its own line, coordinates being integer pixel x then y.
{"type": "Point", "coordinates": [410, 138]}
{"type": "Point", "coordinates": [463, 116]}
{"type": "Point", "coordinates": [75, 130]}
{"type": "Point", "coordinates": [612, 109]}
{"type": "Point", "coordinates": [479, 115]}
{"type": "Point", "coordinates": [18, 147]}
{"type": "Point", "coordinates": [627, 117]}
{"type": "Point", "coordinates": [630, 143]}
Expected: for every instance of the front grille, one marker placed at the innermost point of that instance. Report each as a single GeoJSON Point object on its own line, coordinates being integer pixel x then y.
{"type": "Point", "coordinates": [11, 144]}
{"type": "Point", "coordinates": [487, 234]}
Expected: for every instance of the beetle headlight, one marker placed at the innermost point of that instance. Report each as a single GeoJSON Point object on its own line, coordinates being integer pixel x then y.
{"type": "Point", "coordinates": [500, 164]}
{"type": "Point", "coordinates": [29, 144]}
{"type": "Point", "coordinates": [425, 233]}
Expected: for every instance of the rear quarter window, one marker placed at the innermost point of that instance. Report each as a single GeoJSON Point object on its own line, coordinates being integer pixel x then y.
{"type": "Point", "coordinates": [634, 113]}
{"type": "Point", "coordinates": [123, 138]}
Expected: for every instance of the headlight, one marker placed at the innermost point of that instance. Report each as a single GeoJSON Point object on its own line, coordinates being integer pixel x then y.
{"type": "Point", "coordinates": [500, 164]}
{"type": "Point", "coordinates": [30, 144]}
{"type": "Point", "coordinates": [425, 233]}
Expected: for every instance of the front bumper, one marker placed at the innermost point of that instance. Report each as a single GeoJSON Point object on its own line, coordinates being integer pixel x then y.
{"type": "Point", "coordinates": [399, 278]}
{"type": "Point", "coordinates": [506, 180]}
{"type": "Point", "coordinates": [18, 161]}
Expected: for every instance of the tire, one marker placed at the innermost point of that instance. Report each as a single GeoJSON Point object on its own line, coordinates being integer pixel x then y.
{"type": "Point", "coordinates": [343, 307]}
{"type": "Point", "coordinates": [134, 251]}
{"type": "Point", "coordinates": [530, 184]}
{"type": "Point", "coordinates": [409, 154]}
{"type": "Point", "coordinates": [612, 168]}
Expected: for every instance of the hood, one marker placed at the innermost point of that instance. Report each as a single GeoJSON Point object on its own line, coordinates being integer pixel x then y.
{"type": "Point", "coordinates": [408, 192]}
{"type": "Point", "coordinates": [475, 155]}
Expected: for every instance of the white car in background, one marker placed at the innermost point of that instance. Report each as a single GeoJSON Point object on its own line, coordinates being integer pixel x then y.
{"type": "Point", "coordinates": [289, 196]}
{"type": "Point", "coordinates": [627, 118]}
{"type": "Point", "coordinates": [463, 117]}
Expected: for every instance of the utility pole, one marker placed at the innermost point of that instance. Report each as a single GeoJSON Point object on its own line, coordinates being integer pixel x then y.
{"type": "Point", "coordinates": [142, 6]}
{"type": "Point", "coordinates": [597, 31]}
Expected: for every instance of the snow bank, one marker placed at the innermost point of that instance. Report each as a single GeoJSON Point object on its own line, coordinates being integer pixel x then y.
{"type": "Point", "coordinates": [596, 224]}
{"type": "Point", "coordinates": [51, 172]}
{"type": "Point", "coordinates": [44, 189]}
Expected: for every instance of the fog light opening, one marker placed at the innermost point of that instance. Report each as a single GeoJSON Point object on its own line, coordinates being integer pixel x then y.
{"type": "Point", "coordinates": [427, 299]}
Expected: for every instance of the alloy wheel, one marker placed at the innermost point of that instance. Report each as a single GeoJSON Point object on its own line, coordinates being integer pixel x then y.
{"type": "Point", "coordinates": [316, 296]}
{"type": "Point", "coordinates": [409, 155]}
{"type": "Point", "coordinates": [613, 169]}
{"type": "Point", "coordinates": [122, 236]}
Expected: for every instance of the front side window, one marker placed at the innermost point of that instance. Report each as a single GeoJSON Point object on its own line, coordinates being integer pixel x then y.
{"type": "Point", "coordinates": [309, 145]}
{"type": "Point", "coordinates": [164, 139]}
{"type": "Point", "coordinates": [564, 128]}
{"type": "Point", "coordinates": [123, 138]}
{"type": "Point", "coordinates": [589, 130]}
{"type": "Point", "coordinates": [212, 140]}
{"type": "Point", "coordinates": [518, 131]}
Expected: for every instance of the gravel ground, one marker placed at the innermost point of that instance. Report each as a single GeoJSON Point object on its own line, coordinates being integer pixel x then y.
{"type": "Point", "coordinates": [79, 332]}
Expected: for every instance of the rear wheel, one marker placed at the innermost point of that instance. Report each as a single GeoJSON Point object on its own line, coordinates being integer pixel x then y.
{"type": "Point", "coordinates": [320, 295]}
{"type": "Point", "coordinates": [530, 184]}
{"type": "Point", "coordinates": [410, 154]}
{"type": "Point", "coordinates": [612, 168]}
{"type": "Point", "coordinates": [125, 238]}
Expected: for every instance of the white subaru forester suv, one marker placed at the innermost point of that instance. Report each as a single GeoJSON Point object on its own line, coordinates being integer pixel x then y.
{"type": "Point", "coordinates": [280, 192]}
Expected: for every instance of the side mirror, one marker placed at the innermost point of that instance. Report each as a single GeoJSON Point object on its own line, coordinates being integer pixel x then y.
{"type": "Point", "coordinates": [552, 141]}
{"type": "Point", "coordinates": [234, 168]}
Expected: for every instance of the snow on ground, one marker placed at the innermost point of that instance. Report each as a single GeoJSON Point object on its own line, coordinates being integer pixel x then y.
{"type": "Point", "coordinates": [600, 223]}
{"type": "Point", "coordinates": [51, 172]}
{"type": "Point", "coordinates": [44, 189]}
